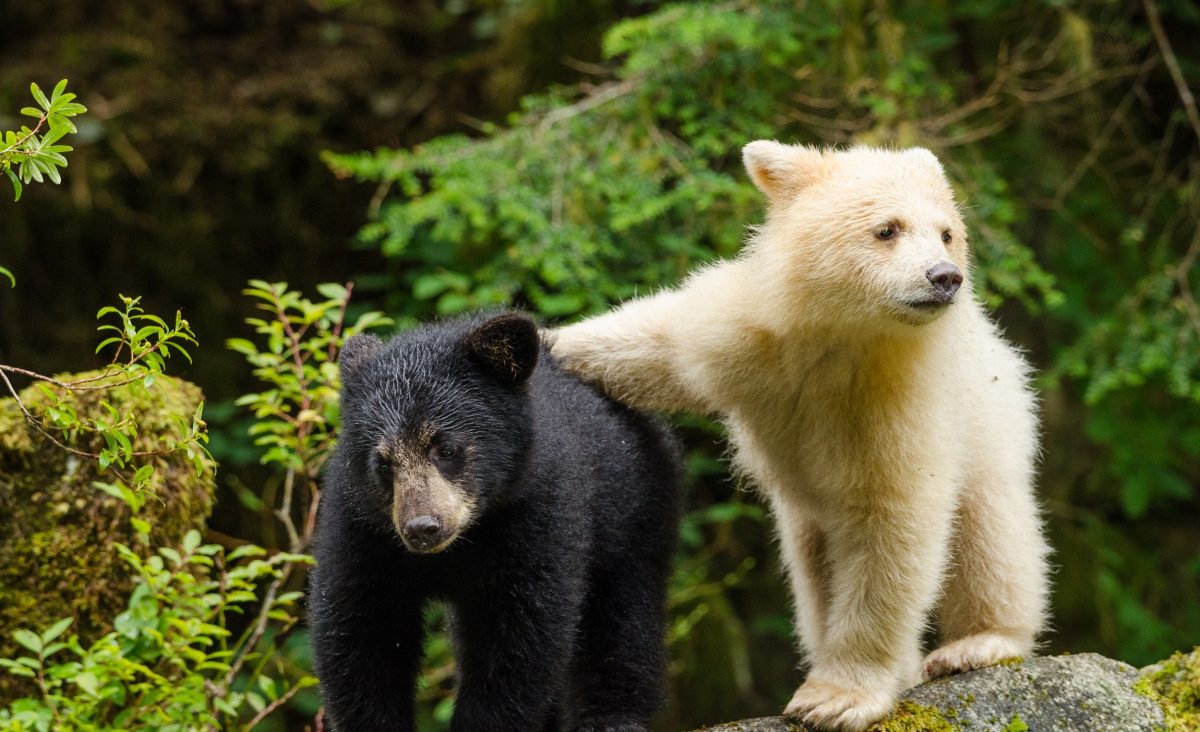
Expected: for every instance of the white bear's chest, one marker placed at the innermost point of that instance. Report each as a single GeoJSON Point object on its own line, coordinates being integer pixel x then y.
{"type": "Point", "coordinates": [842, 425]}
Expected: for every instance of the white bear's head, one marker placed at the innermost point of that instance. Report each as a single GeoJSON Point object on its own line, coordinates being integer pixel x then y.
{"type": "Point", "coordinates": [873, 234]}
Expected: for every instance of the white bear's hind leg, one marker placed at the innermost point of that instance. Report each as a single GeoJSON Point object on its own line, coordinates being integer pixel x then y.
{"type": "Point", "coordinates": [994, 601]}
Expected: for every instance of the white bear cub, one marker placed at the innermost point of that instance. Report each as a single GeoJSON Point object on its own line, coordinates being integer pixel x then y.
{"type": "Point", "coordinates": [870, 398]}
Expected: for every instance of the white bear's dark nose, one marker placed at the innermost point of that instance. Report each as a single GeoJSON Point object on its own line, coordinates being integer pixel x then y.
{"type": "Point", "coordinates": [422, 532]}
{"type": "Point", "coordinates": [946, 279]}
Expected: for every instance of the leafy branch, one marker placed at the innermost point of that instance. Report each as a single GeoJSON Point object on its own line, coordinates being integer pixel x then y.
{"type": "Point", "coordinates": [36, 157]}
{"type": "Point", "coordinates": [142, 342]}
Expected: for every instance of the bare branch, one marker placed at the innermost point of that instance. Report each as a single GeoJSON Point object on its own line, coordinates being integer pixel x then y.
{"type": "Point", "coordinates": [602, 95]}
{"type": "Point", "coordinates": [1164, 45]}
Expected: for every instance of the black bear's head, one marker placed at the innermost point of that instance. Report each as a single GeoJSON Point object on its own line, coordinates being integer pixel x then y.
{"type": "Point", "coordinates": [435, 423]}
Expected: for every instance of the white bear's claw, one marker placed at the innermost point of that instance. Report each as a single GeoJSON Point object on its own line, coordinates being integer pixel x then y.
{"type": "Point", "coordinates": [836, 708]}
{"type": "Point", "coordinates": [975, 651]}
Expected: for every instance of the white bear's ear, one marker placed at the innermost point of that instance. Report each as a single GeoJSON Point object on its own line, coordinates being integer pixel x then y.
{"type": "Point", "coordinates": [780, 170]}
{"type": "Point", "coordinates": [925, 157]}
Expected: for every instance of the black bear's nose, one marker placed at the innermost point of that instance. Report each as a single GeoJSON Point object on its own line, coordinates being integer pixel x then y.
{"type": "Point", "coordinates": [422, 532]}
{"type": "Point", "coordinates": [945, 278]}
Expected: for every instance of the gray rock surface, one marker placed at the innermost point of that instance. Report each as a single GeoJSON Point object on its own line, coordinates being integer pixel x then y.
{"type": "Point", "coordinates": [1075, 693]}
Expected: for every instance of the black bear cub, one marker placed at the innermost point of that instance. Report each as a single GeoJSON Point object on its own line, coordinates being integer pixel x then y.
{"type": "Point", "coordinates": [473, 470]}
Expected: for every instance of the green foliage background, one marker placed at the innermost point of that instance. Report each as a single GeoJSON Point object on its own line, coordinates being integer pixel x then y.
{"type": "Point", "coordinates": [562, 156]}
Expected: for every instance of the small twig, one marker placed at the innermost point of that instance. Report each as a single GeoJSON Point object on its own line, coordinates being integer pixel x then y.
{"type": "Point", "coordinates": [668, 148]}
{"type": "Point", "coordinates": [830, 123]}
{"type": "Point", "coordinates": [12, 149]}
{"type": "Point", "coordinates": [284, 512]}
{"type": "Point", "coordinates": [341, 321]}
{"type": "Point", "coordinates": [1097, 147]}
{"type": "Point", "coordinates": [1164, 45]}
{"type": "Point", "coordinates": [37, 425]}
{"type": "Point", "coordinates": [1182, 270]}
{"type": "Point", "coordinates": [260, 625]}
{"type": "Point", "coordinates": [267, 710]}
{"type": "Point", "coordinates": [587, 67]}
{"type": "Point", "coordinates": [41, 682]}
{"type": "Point", "coordinates": [602, 95]}
{"type": "Point", "coordinates": [378, 197]}
{"type": "Point", "coordinates": [69, 385]}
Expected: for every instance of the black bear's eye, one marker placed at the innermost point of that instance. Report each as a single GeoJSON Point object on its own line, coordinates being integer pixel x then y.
{"type": "Point", "coordinates": [383, 468]}
{"type": "Point", "coordinates": [443, 451]}
{"type": "Point", "coordinates": [946, 236]}
{"type": "Point", "coordinates": [887, 231]}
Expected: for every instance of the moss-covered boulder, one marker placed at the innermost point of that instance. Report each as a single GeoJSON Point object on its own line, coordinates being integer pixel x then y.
{"type": "Point", "coordinates": [1174, 684]}
{"type": "Point", "coordinates": [1072, 693]}
{"type": "Point", "coordinates": [57, 530]}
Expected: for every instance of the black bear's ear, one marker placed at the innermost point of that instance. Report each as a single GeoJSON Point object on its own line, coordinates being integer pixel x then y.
{"type": "Point", "coordinates": [355, 351]}
{"type": "Point", "coordinates": [507, 346]}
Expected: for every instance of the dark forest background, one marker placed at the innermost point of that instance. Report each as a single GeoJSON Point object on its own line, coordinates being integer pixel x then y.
{"type": "Point", "coordinates": [561, 155]}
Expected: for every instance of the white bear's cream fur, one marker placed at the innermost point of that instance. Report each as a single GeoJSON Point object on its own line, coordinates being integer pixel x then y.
{"type": "Point", "coordinates": [895, 438]}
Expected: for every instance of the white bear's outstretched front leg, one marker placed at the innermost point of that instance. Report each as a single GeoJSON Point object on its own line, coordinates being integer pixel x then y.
{"type": "Point", "coordinates": [994, 602]}
{"type": "Point", "coordinates": [885, 568]}
{"type": "Point", "coordinates": [633, 354]}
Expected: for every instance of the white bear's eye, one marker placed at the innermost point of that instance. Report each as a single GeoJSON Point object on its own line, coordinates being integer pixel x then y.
{"type": "Point", "coordinates": [946, 236]}
{"type": "Point", "coordinates": [887, 231]}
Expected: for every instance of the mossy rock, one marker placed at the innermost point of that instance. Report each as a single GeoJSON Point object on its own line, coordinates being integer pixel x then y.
{"type": "Point", "coordinates": [1071, 693]}
{"type": "Point", "coordinates": [1174, 684]}
{"type": "Point", "coordinates": [57, 530]}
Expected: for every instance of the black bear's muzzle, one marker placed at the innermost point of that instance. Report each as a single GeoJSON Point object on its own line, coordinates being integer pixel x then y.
{"type": "Point", "coordinates": [424, 533]}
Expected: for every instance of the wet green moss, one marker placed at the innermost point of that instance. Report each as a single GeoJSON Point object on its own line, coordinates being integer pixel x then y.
{"type": "Point", "coordinates": [1016, 724]}
{"type": "Point", "coordinates": [57, 531]}
{"type": "Point", "coordinates": [1175, 685]}
{"type": "Point", "coordinates": [910, 717]}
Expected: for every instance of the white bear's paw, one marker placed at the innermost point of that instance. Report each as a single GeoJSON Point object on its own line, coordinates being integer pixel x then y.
{"type": "Point", "coordinates": [974, 651]}
{"type": "Point", "coordinates": [831, 706]}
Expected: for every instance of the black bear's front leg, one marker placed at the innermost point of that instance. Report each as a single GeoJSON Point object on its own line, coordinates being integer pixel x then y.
{"type": "Point", "coordinates": [367, 638]}
{"type": "Point", "coordinates": [514, 649]}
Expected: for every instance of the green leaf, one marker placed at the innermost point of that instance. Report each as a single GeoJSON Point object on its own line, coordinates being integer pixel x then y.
{"type": "Point", "coordinates": [88, 682]}
{"type": "Point", "coordinates": [12, 281]}
{"type": "Point", "coordinates": [15, 668]}
{"type": "Point", "coordinates": [16, 182]}
{"type": "Point", "coordinates": [142, 475]}
{"type": "Point", "coordinates": [28, 640]}
{"type": "Point", "coordinates": [332, 291]}
{"type": "Point", "coordinates": [36, 91]}
{"type": "Point", "coordinates": [246, 550]}
{"type": "Point", "coordinates": [56, 630]}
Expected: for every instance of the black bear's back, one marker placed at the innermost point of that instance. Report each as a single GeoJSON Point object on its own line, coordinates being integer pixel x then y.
{"type": "Point", "coordinates": [622, 464]}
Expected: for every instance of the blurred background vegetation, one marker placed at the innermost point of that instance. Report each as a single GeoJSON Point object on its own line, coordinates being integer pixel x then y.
{"type": "Point", "coordinates": [562, 155]}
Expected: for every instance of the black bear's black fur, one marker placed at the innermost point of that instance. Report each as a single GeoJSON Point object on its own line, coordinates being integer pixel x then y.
{"type": "Point", "coordinates": [556, 585]}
